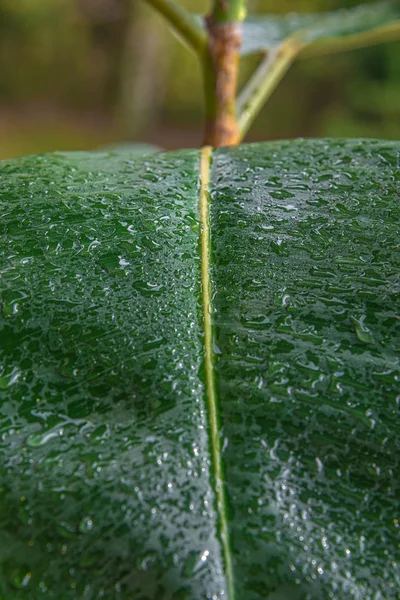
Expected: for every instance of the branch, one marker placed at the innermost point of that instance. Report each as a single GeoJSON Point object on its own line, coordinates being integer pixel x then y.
{"type": "Point", "coordinates": [184, 24]}
{"type": "Point", "coordinates": [264, 81]}
{"type": "Point", "coordinates": [221, 70]}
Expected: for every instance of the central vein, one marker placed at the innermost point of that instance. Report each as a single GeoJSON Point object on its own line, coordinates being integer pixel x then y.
{"type": "Point", "coordinates": [211, 394]}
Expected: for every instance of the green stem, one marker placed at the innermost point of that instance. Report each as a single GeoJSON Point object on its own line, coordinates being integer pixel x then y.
{"type": "Point", "coordinates": [183, 23]}
{"type": "Point", "coordinates": [228, 11]}
{"type": "Point", "coordinates": [264, 81]}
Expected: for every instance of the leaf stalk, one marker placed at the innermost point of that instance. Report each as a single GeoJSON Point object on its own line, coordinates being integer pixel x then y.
{"type": "Point", "coordinates": [185, 25]}
{"type": "Point", "coordinates": [264, 81]}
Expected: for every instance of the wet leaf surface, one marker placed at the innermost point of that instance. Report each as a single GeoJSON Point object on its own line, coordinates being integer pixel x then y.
{"type": "Point", "coordinates": [107, 486]}
{"type": "Point", "coordinates": [306, 278]}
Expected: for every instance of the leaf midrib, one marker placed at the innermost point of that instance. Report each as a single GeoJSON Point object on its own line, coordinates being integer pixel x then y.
{"type": "Point", "coordinates": [211, 393]}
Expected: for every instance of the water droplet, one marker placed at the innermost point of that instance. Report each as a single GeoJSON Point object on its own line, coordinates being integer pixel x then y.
{"type": "Point", "coordinates": [21, 577]}
{"type": "Point", "coordinates": [363, 333]}
{"type": "Point", "coordinates": [86, 524]}
{"type": "Point", "coordinates": [39, 439]}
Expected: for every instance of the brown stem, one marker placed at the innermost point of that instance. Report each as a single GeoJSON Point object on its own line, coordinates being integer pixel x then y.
{"type": "Point", "coordinates": [221, 78]}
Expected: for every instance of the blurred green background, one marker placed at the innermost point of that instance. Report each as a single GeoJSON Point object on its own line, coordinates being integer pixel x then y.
{"type": "Point", "coordinates": [79, 74]}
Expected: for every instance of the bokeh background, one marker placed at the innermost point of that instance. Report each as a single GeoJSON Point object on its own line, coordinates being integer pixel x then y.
{"type": "Point", "coordinates": [81, 74]}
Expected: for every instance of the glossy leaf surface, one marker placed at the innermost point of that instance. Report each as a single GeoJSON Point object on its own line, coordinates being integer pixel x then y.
{"type": "Point", "coordinates": [306, 277]}
{"type": "Point", "coordinates": [324, 32]}
{"type": "Point", "coordinates": [105, 487]}
{"type": "Point", "coordinates": [107, 481]}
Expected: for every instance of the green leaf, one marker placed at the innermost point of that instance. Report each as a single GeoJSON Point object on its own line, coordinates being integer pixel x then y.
{"type": "Point", "coordinates": [321, 33]}
{"type": "Point", "coordinates": [113, 438]}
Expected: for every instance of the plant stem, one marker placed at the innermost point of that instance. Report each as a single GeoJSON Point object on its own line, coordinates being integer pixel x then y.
{"type": "Point", "coordinates": [183, 23]}
{"type": "Point", "coordinates": [228, 11]}
{"type": "Point", "coordinates": [221, 69]}
{"type": "Point", "coordinates": [264, 81]}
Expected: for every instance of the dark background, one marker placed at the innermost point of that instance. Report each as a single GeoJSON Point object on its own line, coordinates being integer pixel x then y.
{"type": "Point", "coordinates": [80, 74]}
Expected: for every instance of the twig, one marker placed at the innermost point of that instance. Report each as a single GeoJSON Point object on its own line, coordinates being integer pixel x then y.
{"type": "Point", "coordinates": [264, 81]}
{"type": "Point", "coordinates": [185, 25]}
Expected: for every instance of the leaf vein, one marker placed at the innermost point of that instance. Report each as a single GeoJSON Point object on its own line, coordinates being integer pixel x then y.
{"type": "Point", "coordinates": [211, 394]}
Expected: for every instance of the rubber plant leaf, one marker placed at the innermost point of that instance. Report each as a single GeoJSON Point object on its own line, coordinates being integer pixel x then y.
{"type": "Point", "coordinates": [199, 374]}
{"type": "Point", "coordinates": [321, 33]}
